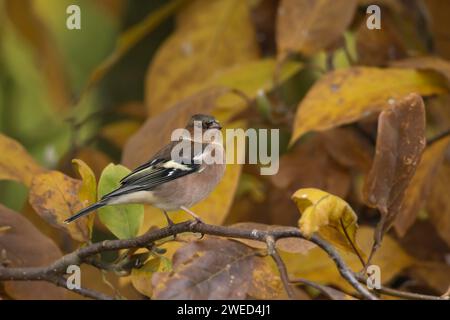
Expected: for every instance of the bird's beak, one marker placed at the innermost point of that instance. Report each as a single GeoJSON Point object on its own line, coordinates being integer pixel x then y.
{"type": "Point", "coordinates": [216, 125]}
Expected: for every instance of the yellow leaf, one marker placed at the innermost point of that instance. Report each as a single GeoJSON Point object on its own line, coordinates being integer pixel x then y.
{"type": "Point", "coordinates": [88, 190]}
{"type": "Point", "coordinates": [329, 215]}
{"type": "Point", "coordinates": [15, 163]}
{"type": "Point", "coordinates": [54, 196]}
{"type": "Point", "coordinates": [317, 266]}
{"type": "Point", "coordinates": [210, 36]}
{"type": "Point", "coordinates": [142, 278]}
{"type": "Point", "coordinates": [347, 95]}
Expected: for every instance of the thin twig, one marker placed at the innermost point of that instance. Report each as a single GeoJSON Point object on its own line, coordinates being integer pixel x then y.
{"type": "Point", "coordinates": [438, 137]}
{"type": "Point", "coordinates": [402, 294]}
{"type": "Point", "coordinates": [272, 250]}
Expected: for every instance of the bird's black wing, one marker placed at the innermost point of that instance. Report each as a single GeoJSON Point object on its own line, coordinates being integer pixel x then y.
{"type": "Point", "coordinates": [160, 169]}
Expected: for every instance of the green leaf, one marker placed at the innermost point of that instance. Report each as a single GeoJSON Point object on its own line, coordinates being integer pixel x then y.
{"type": "Point", "coordinates": [123, 221]}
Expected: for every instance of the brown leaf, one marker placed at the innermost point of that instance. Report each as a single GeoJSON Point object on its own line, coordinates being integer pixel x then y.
{"type": "Point", "coordinates": [213, 268]}
{"type": "Point", "coordinates": [348, 148]}
{"type": "Point", "coordinates": [15, 162]}
{"type": "Point", "coordinates": [440, 25]}
{"type": "Point", "coordinates": [438, 204]}
{"type": "Point", "coordinates": [347, 95]}
{"type": "Point", "coordinates": [36, 32]}
{"type": "Point", "coordinates": [435, 275]}
{"type": "Point", "coordinates": [210, 36]}
{"type": "Point", "coordinates": [419, 188]}
{"type": "Point", "coordinates": [377, 47]}
{"type": "Point", "coordinates": [25, 246]}
{"type": "Point", "coordinates": [293, 245]}
{"type": "Point", "coordinates": [400, 143]}
{"type": "Point", "coordinates": [308, 26]}
{"type": "Point", "coordinates": [54, 196]}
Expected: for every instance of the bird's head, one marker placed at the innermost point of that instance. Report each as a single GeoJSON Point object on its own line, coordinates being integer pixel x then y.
{"type": "Point", "coordinates": [204, 122]}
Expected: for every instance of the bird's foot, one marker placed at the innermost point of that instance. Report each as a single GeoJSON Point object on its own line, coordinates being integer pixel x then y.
{"type": "Point", "coordinates": [170, 224]}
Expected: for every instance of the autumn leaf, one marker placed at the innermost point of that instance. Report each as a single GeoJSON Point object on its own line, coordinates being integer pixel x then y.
{"type": "Point", "coordinates": [142, 278]}
{"type": "Point", "coordinates": [400, 143]}
{"type": "Point", "coordinates": [23, 245]}
{"type": "Point", "coordinates": [210, 36]}
{"type": "Point", "coordinates": [54, 196]}
{"type": "Point", "coordinates": [420, 186]}
{"type": "Point", "coordinates": [317, 266]}
{"type": "Point", "coordinates": [330, 216]}
{"type": "Point", "coordinates": [438, 203]}
{"type": "Point", "coordinates": [347, 95]}
{"type": "Point", "coordinates": [213, 268]}
{"type": "Point", "coordinates": [124, 220]}
{"type": "Point", "coordinates": [88, 189]}
{"type": "Point", "coordinates": [309, 26]}
{"type": "Point", "coordinates": [15, 162]}
{"type": "Point", "coordinates": [425, 63]}
{"type": "Point", "coordinates": [439, 25]}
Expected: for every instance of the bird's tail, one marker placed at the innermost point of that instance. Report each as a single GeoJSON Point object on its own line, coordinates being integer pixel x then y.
{"type": "Point", "coordinates": [85, 211]}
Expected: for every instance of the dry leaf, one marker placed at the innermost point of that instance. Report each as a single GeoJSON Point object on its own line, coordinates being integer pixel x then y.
{"type": "Point", "coordinates": [346, 95]}
{"type": "Point", "coordinates": [54, 196]}
{"type": "Point", "coordinates": [418, 190]}
{"type": "Point", "coordinates": [308, 26]}
{"type": "Point", "coordinates": [400, 143]}
{"type": "Point", "coordinates": [15, 162]}
{"type": "Point", "coordinates": [330, 216]}
{"type": "Point", "coordinates": [25, 246]}
{"type": "Point", "coordinates": [213, 268]}
{"type": "Point", "coordinates": [142, 278]}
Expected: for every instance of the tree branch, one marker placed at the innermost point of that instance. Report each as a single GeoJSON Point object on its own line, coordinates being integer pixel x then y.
{"type": "Point", "coordinates": [84, 254]}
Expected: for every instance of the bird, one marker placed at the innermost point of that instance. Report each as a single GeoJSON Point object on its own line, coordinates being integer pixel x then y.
{"type": "Point", "coordinates": [173, 183]}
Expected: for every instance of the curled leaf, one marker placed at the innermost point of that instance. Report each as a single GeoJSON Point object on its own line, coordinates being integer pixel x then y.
{"type": "Point", "coordinates": [329, 215]}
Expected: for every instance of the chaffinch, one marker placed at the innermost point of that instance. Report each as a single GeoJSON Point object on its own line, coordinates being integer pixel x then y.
{"type": "Point", "coordinates": [172, 183]}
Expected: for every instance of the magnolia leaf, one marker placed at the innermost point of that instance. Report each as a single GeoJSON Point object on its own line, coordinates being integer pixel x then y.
{"type": "Point", "coordinates": [330, 216]}
{"type": "Point", "coordinates": [212, 268]}
{"type": "Point", "coordinates": [123, 220]}
{"type": "Point", "coordinates": [347, 95]}
{"type": "Point", "coordinates": [400, 143]}
{"type": "Point", "coordinates": [23, 245]}
{"type": "Point", "coordinates": [54, 196]}
{"type": "Point", "coordinates": [15, 162]}
{"type": "Point", "coordinates": [88, 190]}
